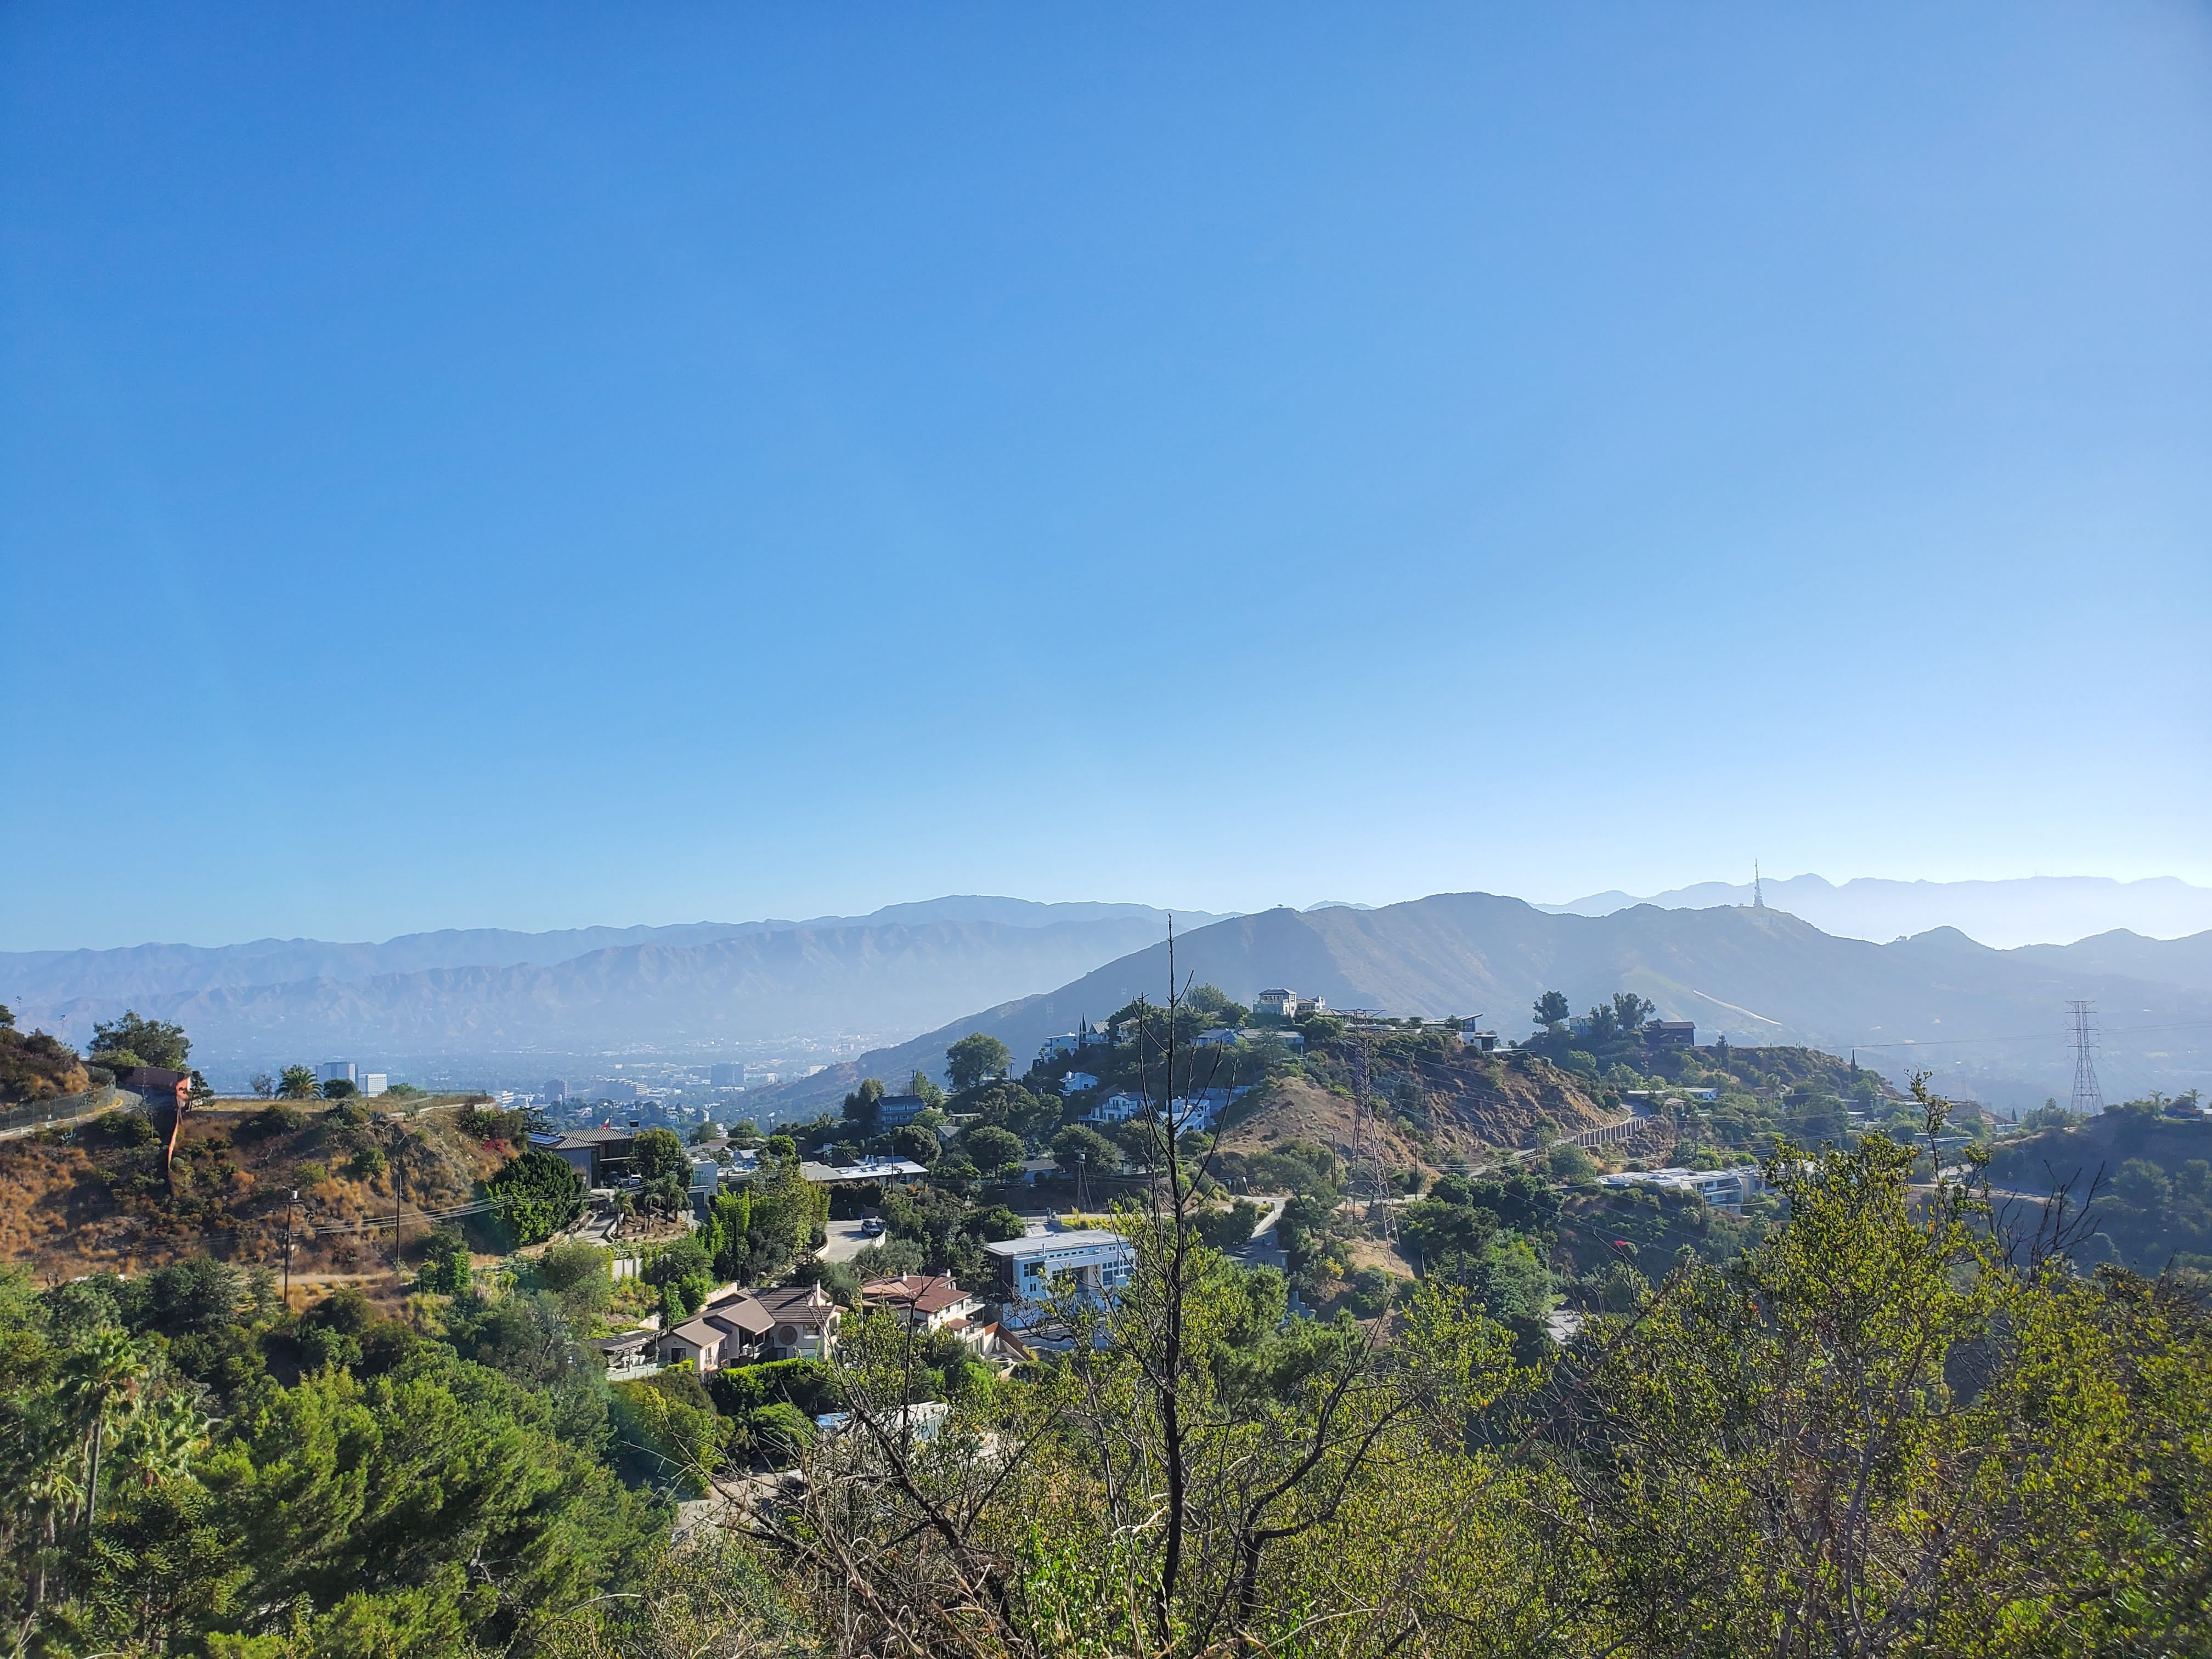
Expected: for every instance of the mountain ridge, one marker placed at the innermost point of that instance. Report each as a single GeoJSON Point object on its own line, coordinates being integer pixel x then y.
{"type": "Point", "coordinates": [2002, 914]}
{"type": "Point", "coordinates": [1762, 976]}
{"type": "Point", "coordinates": [761, 984]}
{"type": "Point", "coordinates": [122, 972]}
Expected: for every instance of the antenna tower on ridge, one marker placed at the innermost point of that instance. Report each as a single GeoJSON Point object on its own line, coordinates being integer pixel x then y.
{"type": "Point", "coordinates": [1758, 888]}
{"type": "Point", "coordinates": [2088, 1098]}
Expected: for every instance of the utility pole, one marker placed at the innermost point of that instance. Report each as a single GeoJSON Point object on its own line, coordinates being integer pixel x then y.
{"type": "Point", "coordinates": [399, 1180]}
{"type": "Point", "coordinates": [291, 1205]}
{"type": "Point", "coordinates": [2088, 1098]}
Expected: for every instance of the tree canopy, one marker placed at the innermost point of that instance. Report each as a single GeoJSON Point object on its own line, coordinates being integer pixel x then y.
{"type": "Point", "coordinates": [974, 1058]}
{"type": "Point", "coordinates": [539, 1194]}
{"type": "Point", "coordinates": [992, 1148]}
{"type": "Point", "coordinates": [133, 1040]}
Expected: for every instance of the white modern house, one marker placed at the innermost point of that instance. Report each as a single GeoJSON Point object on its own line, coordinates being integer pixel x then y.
{"type": "Point", "coordinates": [1200, 1111]}
{"type": "Point", "coordinates": [1091, 1263]}
{"type": "Point", "coordinates": [868, 1169]}
{"type": "Point", "coordinates": [1724, 1188]}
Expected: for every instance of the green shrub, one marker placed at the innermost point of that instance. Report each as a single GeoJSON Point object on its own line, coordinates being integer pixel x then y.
{"type": "Point", "coordinates": [273, 1120]}
{"type": "Point", "coordinates": [131, 1129]}
{"type": "Point", "coordinates": [782, 1432]}
{"type": "Point", "coordinates": [539, 1194]}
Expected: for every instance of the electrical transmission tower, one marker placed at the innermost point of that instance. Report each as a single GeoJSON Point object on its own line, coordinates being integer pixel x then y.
{"type": "Point", "coordinates": [1356, 1063]}
{"type": "Point", "coordinates": [1366, 1139]}
{"type": "Point", "coordinates": [2088, 1098]}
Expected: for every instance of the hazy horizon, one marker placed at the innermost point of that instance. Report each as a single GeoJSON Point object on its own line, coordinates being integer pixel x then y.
{"type": "Point", "coordinates": [2132, 914]}
{"type": "Point", "coordinates": [773, 463]}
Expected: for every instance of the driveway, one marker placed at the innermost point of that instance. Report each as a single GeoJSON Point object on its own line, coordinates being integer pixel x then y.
{"type": "Point", "coordinates": [846, 1239]}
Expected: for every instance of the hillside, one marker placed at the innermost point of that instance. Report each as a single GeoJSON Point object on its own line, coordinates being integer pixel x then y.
{"type": "Point", "coordinates": [2151, 1175]}
{"type": "Point", "coordinates": [1761, 977]}
{"type": "Point", "coordinates": [1471, 1109]}
{"type": "Point", "coordinates": [97, 1200]}
{"type": "Point", "coordinates": [759, 985]}
{"type": "Point", "coordinates": [2184, 962]}
{"type": "Point", "coordinates": [34, 1065]}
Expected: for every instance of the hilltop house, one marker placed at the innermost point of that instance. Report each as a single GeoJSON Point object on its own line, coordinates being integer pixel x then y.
{"type": "Point", "coordinates": [896, 1111]}
{"type": "Point", "coordinates": [600, 1156]}
{"type": "Point", "coordinates": [1202, 1110]}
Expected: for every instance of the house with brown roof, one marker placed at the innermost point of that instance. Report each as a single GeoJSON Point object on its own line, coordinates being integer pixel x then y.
{"type": "Point", "coordinates": [743, 1327]}
{"type": "Point", "coordinates": [923, 1301]}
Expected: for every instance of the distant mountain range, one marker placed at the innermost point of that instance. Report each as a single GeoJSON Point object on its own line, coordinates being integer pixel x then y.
{"type": "Point", "coordinates": [906, 967]}
{"type": "Point", "coordinates": [2031, 910]}
{"type": "Point", "coordinates": [1990, 1023]}
{"type": "Point", "coordinates": [1993, 1019]}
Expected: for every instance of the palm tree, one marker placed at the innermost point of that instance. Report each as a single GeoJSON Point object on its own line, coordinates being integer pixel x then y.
{"type": "Point", "coordinates": [50, 1491]}
{"type": "Point", "coordinates": [159, 1439]}
{"type": "Point", "coordinates": [101, 1378]}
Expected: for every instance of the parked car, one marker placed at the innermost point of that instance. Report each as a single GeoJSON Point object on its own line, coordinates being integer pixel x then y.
{"type": "Point", "coordinates": [872, 1228]}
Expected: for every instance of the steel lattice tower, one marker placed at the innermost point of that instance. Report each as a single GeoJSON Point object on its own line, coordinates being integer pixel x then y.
{"type": "Point", "coordinates": [2088, 1098]}
{"type": "Point", "coordinates": [1356, 1063]}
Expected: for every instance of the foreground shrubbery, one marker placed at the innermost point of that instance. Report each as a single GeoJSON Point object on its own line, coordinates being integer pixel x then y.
{"type": "Point", "coordinates": [1882, 1431]}
{"type": "Point", "coordinates": [1887, 1428]}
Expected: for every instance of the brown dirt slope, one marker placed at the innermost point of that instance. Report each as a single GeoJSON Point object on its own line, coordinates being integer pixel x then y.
{"type": "Point", "coordinates": [1473, 1105]}
{"type": "Point", "coordinates": [95, 1199]}
{"type": "Point", "coordinates": [36, 1066]}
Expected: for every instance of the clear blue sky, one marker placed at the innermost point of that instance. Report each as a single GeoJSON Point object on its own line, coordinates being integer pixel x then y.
{"type": "Point", "coordinates": [525, 465]}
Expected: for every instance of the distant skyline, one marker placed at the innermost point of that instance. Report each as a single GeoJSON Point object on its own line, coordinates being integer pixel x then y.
{"type": "Point", "coordinates": [536, 468]}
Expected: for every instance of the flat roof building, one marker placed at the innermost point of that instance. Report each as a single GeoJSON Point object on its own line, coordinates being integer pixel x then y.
{"type": "Point", "coordinates": [1726, 1189]}
{"type": "Point", "coordinates": [1092, 1263]}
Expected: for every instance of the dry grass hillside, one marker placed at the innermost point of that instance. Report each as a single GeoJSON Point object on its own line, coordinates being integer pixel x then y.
{"type": "Point", "coordinates": [96, 1199]}
{"type": "Point", "coordinates": [1471, 1105]}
